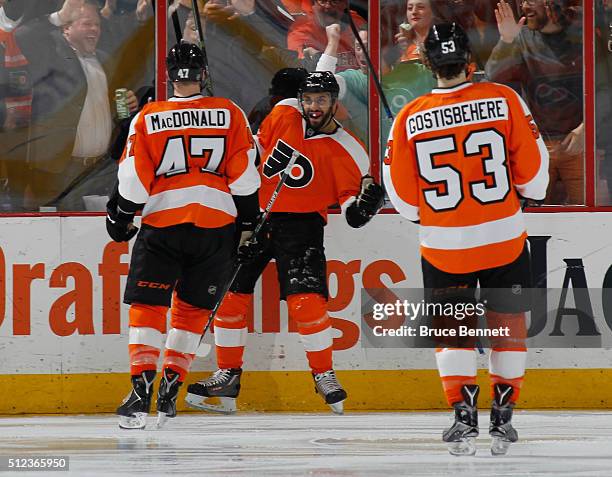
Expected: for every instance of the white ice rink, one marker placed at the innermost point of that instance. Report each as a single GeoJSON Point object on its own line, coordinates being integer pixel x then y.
{"type": "Point", "coordinates": [369, 444]}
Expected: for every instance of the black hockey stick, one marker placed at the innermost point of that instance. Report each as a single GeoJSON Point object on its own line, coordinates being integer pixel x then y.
{"type": "Point", "coordinates": [383, 97]}
{"type": "Point", "coordinates": [208, 84]}
{"type": "Point", "coordinates": [177, 25]}
{"type": "Point", "coordinates": [204, 348]}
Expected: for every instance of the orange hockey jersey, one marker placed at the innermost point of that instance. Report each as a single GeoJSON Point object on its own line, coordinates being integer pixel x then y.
{"type": "Point", "coordinates": [185, 158]}
{"type": "Point", "coordinates": [454, 160]}
{"type": "Point", "coordinates": [328, 170]}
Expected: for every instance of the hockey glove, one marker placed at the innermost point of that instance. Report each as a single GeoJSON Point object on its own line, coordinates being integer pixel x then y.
{"type": "Point", "coordinates": [529, 202]}
{"type": "Point", "coordinates": [249, 248]}
{"type": "Point", "coordinates": [119, 224]}
{"type": "Point", "coordinates": [367, 204]}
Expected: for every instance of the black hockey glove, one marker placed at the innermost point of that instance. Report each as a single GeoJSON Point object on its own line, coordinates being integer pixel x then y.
{"type": "Point", "coordinates": [369, 201]}
{"type": "Point", "coordinates": [119, 224]}
{"type": "Point", "coordinates": [529, 202]}
{"type": "Point", "coordinates": [250, 249]}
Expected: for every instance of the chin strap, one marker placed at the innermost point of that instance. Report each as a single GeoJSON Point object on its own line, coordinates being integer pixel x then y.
{"type": "Point", "coordinates": [310, 130]}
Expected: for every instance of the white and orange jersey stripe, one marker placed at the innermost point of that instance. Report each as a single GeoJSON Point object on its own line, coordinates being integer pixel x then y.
{"type": "Point", "coordinates": [328, 170]}
{"type": "Point", "coordinates": [185, 158]}
{"type": "Point", "coordinates": [455, 161]}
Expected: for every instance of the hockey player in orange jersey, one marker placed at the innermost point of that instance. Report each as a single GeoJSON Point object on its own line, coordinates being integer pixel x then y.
{"type": "Point", "coordinates": [329, 170]}
{"type": "Point", "coordinates": [458, 162]}
{"type": "Point", "coordinates": [189, 164]}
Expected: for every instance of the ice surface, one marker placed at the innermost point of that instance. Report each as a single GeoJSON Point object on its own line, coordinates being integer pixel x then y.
{"type": "Point", "coordinates": [368, 444]}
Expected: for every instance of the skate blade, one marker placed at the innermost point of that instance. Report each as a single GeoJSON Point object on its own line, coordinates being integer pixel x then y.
{"type": "Point", "coordinates": [137, 421]}
{"type": "Point", "coordinates": [499, 446]}
{"type": "Point", "coordinates": [337, 407]}
{"type": "Point", "coordinates": [466, 446]}
{"type": "Point", "coordinates": [226, 405]}
{"type": "Point", "coordinates": [162, 419]}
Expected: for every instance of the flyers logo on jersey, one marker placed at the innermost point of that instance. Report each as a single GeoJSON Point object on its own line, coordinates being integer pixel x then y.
{"type": "Point", "coordinates": [302, 173]}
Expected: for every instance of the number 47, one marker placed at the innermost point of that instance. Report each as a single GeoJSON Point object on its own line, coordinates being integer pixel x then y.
{"type": "Point", "coordinates": [175, 157]}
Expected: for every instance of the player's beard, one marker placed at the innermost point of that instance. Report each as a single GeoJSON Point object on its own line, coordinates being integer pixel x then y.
{"type": "Point", "coordinates": [322, 121]}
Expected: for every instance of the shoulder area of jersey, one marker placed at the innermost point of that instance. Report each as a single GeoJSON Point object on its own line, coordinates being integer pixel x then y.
{"type": "Point", "coordinates": [204, 102]}
{"type": "Point", "coordinates": [416, 104]}
{"type": "Point", "coordinates": [289, 103]}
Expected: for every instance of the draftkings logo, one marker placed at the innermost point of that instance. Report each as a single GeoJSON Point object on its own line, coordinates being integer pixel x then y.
{"type": "Point", "coordinates": [302, 172]}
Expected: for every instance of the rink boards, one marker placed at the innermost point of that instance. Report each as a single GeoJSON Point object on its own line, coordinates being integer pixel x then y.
{"type": "Point", "coordinates": [63, 329]}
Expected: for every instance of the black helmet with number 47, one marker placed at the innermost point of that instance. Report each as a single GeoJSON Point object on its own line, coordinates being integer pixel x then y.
{"type": "Point", "coordinates": [185, 62]}
{"type": "Point", "coordinates": [446, 44]}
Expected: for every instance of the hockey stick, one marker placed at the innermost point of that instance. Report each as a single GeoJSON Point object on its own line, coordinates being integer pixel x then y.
{"type": "Point", "coordinates": [208, 85]}
{"type": "Point", "coordinates": [204, 348]}
{"type": "Point", "coordinates": [381, 93]}
{"type": "Point", "coordinates": [176, 24]}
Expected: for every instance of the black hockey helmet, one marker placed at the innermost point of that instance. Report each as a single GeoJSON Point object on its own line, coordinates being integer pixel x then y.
{"type": "Point", "coordinates": [185, 62]}
{"type": "Point", "coordinates": [447, 44]}
{"type": "Point", "coordinates": [320, 82]}
{"type": "Point", "coordinates": [287, 81]}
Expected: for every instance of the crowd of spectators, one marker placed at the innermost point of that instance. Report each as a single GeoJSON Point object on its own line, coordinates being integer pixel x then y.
{"type": "Point", "coordinates": [61, 62]}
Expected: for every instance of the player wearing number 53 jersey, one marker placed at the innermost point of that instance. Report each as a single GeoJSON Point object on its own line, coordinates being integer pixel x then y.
{"type": "Point", "coordinates": [189, 164]}
{"type": "Point", "coordinates": [458, 161]}
{"type": "Point", "coordinates": [328, 170]}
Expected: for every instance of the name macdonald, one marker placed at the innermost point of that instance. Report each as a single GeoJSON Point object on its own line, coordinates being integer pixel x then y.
{"type": "Point", "coordinates": [187, 118]}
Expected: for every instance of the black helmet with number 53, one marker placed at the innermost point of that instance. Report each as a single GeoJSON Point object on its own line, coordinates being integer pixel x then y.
{"type": "Point", "coordinates": [185, 62]}
{"type": "Point", "coordinates": [446, 44]}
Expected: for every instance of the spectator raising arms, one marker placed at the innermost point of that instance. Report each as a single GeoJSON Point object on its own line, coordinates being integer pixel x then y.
{"type": "Point", "coordinates": [246, 36]}
{"type": "Point", "coordinates": [401, 83]}
{"type": "Point", "coordinates": [307, 35]}
{"type": "Point", "coordinates": [543, 51]}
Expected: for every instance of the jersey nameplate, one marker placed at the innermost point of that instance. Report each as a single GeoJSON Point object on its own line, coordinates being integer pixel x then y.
{"type": "Point", "coordinates": [455, 115]}
{"type": "Point", "coordinates": [187, 118]}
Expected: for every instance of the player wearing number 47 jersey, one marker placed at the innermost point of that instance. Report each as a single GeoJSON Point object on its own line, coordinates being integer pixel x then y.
{"type": "Point", "coordinates": [328, 170]}
{"type": "Point", "coordinates": [189, 164]}
{"type": "Point", "coordinates": [458, 161]}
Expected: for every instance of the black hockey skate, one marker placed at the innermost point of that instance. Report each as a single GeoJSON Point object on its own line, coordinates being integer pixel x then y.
{"type": "Point", "coordinates": [223, 384]}
{"type": "Point", "coordinates": [166, 396]}
{"type": "Point", "coordinates": [500, 428]}
{"type": "Point", "coordinates": [327, 385]}
{"type": "Point", "coordinates": [135, 407]}
{"type": "Point", "coordinates": [461, 436]}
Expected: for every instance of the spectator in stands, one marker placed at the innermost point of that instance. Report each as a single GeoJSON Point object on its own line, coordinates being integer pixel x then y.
{"type": "Point", "coordinates": [71, 110]}
{"type": "Point", "coordinates": [15, 114]}
{"type": "Point", "coordinates": [412, 33]}
{"type": "Point", "coordinates": [246, 38]}
{"type": "Point", "coordinates": [307, 35]}
{"type": "Point", "coordinates": [477, 17]}
{"type": "Point", "coordinates": [401, 83]}
{"type": "Point", "coordinates": [543, 51]}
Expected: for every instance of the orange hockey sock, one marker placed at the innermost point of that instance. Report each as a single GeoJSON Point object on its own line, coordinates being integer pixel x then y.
{"type": "Point", "coordinates": [231, 329]}
{"type": "Point", "coordinates": [309, 310]}
{"type": "Point", "coordinates": [147, 325]}
{"type": "Point", "coordinates": [457, 367]}
{"type": "Point", "coordinates": [187, 323]}
{"type": "Point", "coordinates": [508, 353]}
